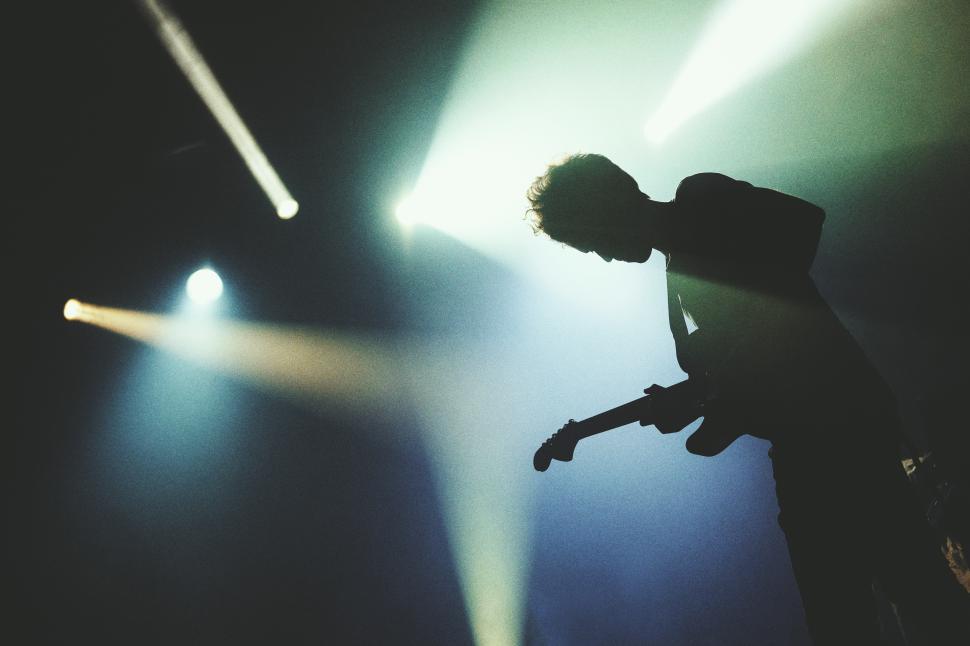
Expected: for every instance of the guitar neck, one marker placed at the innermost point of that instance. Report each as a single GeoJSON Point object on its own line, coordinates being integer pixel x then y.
{"type": "Point", "coordinates": [622, 415]}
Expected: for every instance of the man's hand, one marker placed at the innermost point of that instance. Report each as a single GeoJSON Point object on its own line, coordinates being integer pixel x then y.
{"type": "Point", "coordinates": [671, 409]}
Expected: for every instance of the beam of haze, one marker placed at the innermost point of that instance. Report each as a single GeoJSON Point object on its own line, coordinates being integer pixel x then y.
{"type": "Point", "coordinates": [334, 370]}
{"type": "Point", "coordinates": [744, 38]}
{"type": "Point", "coordinates": [179, 44]}
{"type": "Point", "coordinates": [474, 413]}
{"type": "Point", "coordinates": [479, 471]}
{"type": "Point", "coordinates": [522, 97]}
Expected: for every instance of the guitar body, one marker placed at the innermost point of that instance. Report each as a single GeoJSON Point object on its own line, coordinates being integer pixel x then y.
{"type": "Point", "coordinates": [713, 436]}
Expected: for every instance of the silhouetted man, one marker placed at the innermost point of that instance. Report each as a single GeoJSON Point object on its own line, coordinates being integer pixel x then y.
{"type": "Point", "coordinates": [749, 323]}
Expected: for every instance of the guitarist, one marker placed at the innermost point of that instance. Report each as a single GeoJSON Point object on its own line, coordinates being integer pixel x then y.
{"type": "Point", "coordinates": [776, 363]}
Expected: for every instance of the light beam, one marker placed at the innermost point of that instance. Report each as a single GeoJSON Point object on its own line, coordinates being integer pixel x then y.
{"type": "Point", "coordinates": [331, 370]}
{"type": "Point", "coordinates": [179, 44]}
{"type": "Point", "coordinates": [521, 98]}
{"type": "Point", "coordinates": [744, 39]}
{"type": "Point", "coordinates": [485, 497]}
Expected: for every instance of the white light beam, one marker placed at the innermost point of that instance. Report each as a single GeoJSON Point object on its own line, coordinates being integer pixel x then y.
{"type": "Point", "coordinates": [179, 44]}
{"type": "Point", "coordinates": [744, 39]}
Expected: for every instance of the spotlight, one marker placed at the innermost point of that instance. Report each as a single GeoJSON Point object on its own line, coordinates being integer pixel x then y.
{"type": "Point", "coordinates": [75, 310]}
{"type": "Point", "coordinates": [72, 309]}
{"type": "Point", "coordinates": [287, 209]}
{"type": "Point", "coordinates": [405, 211]}
{"type": "Point", "coordinates": [204, 286]}
{"type": "Point", "coordinates": [179, 44]}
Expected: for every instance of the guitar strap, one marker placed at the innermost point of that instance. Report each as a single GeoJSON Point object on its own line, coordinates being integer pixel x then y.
{"type": "Point", "coordinates": [678, 324]}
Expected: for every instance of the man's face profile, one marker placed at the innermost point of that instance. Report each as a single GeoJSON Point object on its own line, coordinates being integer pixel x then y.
{"type": "Point", "coordinates": [613, 231]}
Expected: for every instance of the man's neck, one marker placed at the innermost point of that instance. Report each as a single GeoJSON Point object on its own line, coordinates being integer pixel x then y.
{"type": "Point", "coordinates": [659, 222]}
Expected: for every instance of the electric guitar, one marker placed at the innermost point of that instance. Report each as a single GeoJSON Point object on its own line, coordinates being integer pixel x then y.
{"type": "Point", "coordinates": [670, 409]}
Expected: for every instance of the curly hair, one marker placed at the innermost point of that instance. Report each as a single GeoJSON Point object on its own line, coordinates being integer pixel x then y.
{"type": "Point", "coordinates": [577, 195]}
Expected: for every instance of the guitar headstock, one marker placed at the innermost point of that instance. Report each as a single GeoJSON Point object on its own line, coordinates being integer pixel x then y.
{"type": "Point", "coordinates": [559, 446]}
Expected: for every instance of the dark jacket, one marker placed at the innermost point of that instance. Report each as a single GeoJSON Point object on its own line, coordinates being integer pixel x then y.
{"type": "Point", "coordinates": [738, 270]}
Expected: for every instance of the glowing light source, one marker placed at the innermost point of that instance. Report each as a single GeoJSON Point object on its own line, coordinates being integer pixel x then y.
{"type": "Point", "coordinates": [204, 286]}
{"type": "Point", "coordinates": [287, 209]}
{"type": "Point", "coordinates": [179, 44]}
{"type": "Point", "coordinates": [405, 212]}
{"type": "Point", "coordinates": [72, 309]}
{"type": "Point", "coordinates": [744, 38]}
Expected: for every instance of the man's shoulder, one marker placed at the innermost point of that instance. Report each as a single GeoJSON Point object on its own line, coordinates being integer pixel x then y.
{"type": "Point", "coordinates": [702, 184]}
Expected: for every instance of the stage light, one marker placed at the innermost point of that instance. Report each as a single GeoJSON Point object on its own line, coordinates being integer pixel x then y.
{"type": "Point", "coordinates": [204, 286]}
{"type": "Point", "coordinates": [72, 309]}
{"type": "Point", "coordinates": [179, 44]}
{"type": "Point", "coordinates": [287, 209]}
{"type": "Point", "coordinates": [744, 39]}
{"type": "Point", "coordinates": [75, 310]}
{"type": "Point", "coordinates": [405, 212]}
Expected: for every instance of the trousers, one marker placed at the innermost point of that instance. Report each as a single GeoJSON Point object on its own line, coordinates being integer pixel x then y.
{"type": "Point", "coordinates": [852, 520]}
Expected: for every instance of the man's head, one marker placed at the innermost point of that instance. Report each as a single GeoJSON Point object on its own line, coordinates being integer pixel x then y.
{"type": "Point", "coordinates": [591, 204]}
